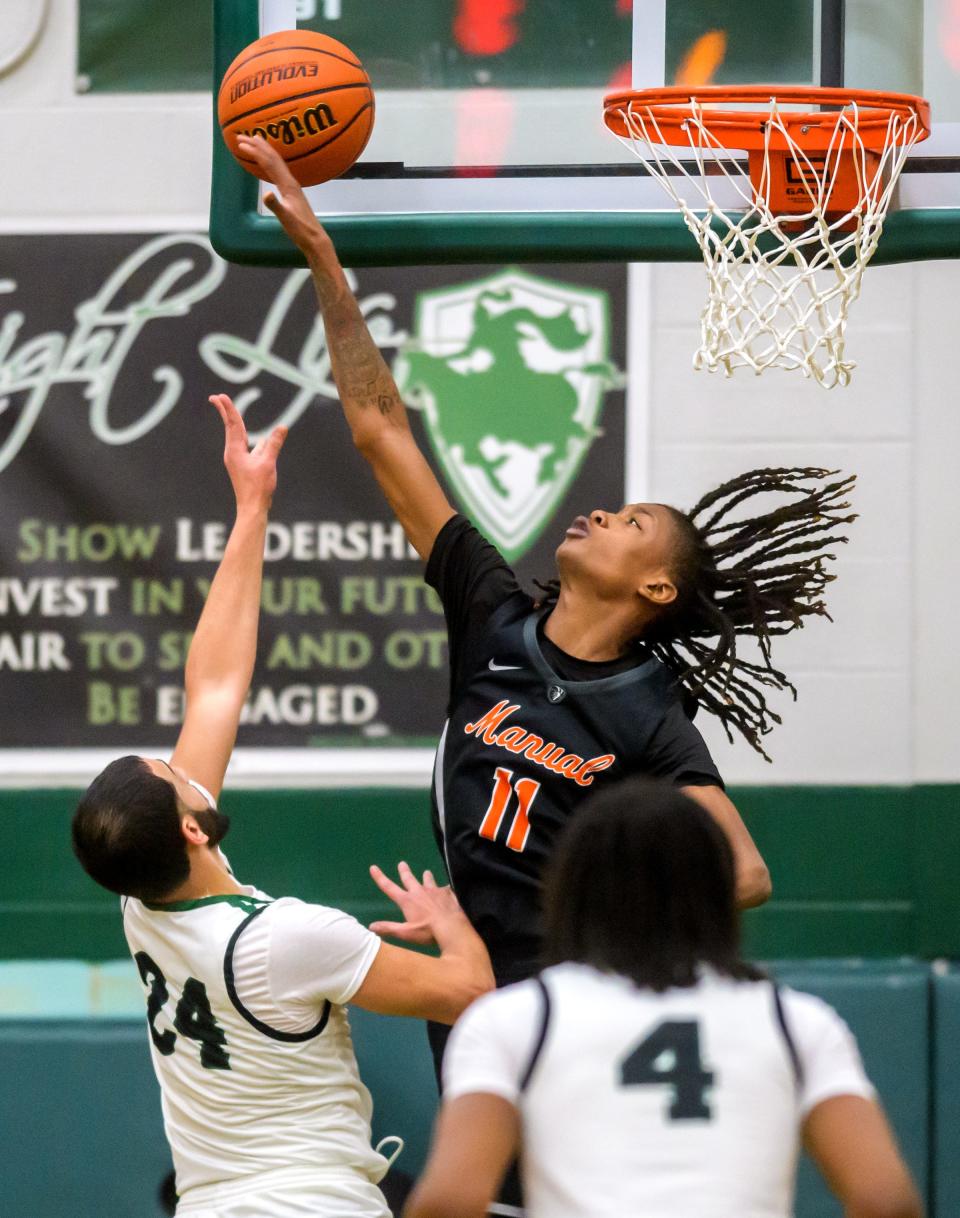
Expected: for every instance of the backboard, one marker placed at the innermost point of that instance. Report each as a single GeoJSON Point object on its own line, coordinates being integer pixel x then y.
{"type": "Point", "coordinates": [489, 142]}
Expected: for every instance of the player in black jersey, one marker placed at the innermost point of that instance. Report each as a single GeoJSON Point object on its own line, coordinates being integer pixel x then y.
{"type": "Point", "coordinates": [550, 701]}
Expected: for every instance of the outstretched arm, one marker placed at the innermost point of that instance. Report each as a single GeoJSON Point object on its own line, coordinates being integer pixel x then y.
{"type": "Point", "coordinates": [370, 398]}
{"type": "Point", "coordinates": [402, 982]}
{"type": "Point", "coordinates": [753, 878]}
{"type": "Point", "coordinates": [224, 647]}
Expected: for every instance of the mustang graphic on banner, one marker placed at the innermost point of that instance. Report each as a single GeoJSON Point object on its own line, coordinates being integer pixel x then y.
{"type": "Point", "coordinates": [116, 507]}
{"type": "Point", "coordinates": [511, 373]}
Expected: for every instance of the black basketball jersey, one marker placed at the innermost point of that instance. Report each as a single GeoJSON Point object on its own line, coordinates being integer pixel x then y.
{"type": "Point", "coordinates": [520, 752]}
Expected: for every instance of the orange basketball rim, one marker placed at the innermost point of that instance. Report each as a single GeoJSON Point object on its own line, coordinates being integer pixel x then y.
{"type": "Point", "coordinates": [828, 151]}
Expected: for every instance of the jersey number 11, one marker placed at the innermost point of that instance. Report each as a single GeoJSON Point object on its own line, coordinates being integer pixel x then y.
{"type": "Point", "coordinates": [526, 792]}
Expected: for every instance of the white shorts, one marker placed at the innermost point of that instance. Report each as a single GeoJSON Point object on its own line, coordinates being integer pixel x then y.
{"type": "Point", "coordinates": [338, 1198]}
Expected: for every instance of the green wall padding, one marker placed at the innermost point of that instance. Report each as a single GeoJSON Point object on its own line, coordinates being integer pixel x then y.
{"type": "Point", "coordinates": [887, 1007]}
{"type": "Point", "coordinates": [857, 871]}
{"type": "Point", "coordinates": [945, 1190]}
{"type": "Point", "coordinates": [396, 1064]}
{"type": "Point", "coordinates": [80, 1114]}
{"type": "Point", "coordinates": [86, 1087]}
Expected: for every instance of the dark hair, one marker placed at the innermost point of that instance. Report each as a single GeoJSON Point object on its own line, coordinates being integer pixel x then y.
{"type": "Point", "coordinates": [736, 575]}
{"type": "Point", "coordinates": [642, 884]}
{"type": "Point", "coordinates": [126, 832]}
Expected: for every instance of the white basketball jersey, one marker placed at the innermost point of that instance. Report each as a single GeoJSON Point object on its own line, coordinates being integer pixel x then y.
{"type": "Point", "coordinates": [686, 1103]}
{"type": "Point", "coordinates": [243, 1101]}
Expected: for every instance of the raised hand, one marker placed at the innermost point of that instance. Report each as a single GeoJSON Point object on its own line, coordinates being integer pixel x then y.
{"type": "Point", "coordinates": [287, 202]}
{"type": "Point", "coordinates": [369, 395]}
{"type": "Point", "coordinates": [253, 471]}
{"type": "Point", "coordinates": [224, 646]}
{"type": "Point", "coordinates": [425, 907]}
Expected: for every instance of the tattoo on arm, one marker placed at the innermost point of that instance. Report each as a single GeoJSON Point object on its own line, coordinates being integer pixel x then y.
{"type": "Point", "coordinates": [361, 373]}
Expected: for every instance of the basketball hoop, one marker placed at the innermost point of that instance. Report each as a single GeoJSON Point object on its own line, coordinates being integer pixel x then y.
{"type": "Point", "coordinates": [814, 192]}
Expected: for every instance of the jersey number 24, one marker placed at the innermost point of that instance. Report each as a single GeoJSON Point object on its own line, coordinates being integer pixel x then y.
{"type": "Point", "coordinates": [193, 1019]}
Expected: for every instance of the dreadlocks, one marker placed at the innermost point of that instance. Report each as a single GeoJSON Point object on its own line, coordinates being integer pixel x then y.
{"type": "Point", "coordinates": [737, 575]}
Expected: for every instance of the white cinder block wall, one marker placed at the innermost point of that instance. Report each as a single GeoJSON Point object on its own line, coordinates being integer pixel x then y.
{"type": "Point", "coordinates": [879, 700]}
{"type": "Point", "coordinates": [75, 163]}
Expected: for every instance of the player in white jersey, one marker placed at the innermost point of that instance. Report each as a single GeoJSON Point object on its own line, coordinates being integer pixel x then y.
{"type": "Point", "coordinates": [649, 1071]}
{"type": "Point", "coordinates": [262, 1102]}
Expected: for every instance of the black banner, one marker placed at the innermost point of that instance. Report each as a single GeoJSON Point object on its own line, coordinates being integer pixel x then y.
{"type": "Point", "coordinates": [116, 506]}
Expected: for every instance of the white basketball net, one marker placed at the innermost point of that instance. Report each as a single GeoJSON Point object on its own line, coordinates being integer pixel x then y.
{"type": "Point", "coordinates": [780, 286]}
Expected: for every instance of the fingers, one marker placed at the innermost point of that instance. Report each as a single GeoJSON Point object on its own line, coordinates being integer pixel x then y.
{"type": "Point", "coordinates": [386, 885]}
{"type": "Point", "coordinates": [411, 885]}
{"type": "Point", "coordinates": [225, 408]}
{"type": "Point", "coordinates": [415, 933]}
{"type": "Point", "coordinates": [407, 878]}
{"type": "Point", "coordinates": [234, 428]}
{"type": "Point", "coordinates": [396, 930]}
{"type": "Point", "coordinates": [276, 441]}
{"type": "Point", "coordinates": [275, 203]}
{"type": "Point", "coordinates": [257, 149]}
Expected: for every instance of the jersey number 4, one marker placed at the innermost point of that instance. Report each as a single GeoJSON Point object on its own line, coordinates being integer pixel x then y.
{"type": "Point", "coordinates": [670, 1056]}
{"type": "Point", "coordinates": [503, 787]}
{"type": "Point", "coordinates": [193, 1019]}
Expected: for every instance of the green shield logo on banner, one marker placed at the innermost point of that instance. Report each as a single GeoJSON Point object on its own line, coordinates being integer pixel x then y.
{"type": "Point", "coordinates": [509, 373]}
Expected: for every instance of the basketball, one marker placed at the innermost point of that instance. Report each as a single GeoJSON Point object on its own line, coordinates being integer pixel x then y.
{"type": "Point", "coordinates": [307, 95]}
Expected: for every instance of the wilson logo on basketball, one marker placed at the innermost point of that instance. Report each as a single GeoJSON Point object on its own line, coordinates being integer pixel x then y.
{"type": "Point", "coordinates": [553, 757]}
{"type": "Point", "coordinates": [298, 126]}
{"type": "Point", "coordinates": [292, 71]}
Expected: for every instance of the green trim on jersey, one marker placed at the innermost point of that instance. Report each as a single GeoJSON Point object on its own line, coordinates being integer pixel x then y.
{"type": "Point", "coordinates": [240, 900]}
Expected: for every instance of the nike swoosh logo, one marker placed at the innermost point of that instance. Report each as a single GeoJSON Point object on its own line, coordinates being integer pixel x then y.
{"type": "Point", "coordinates": [495, 667]}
